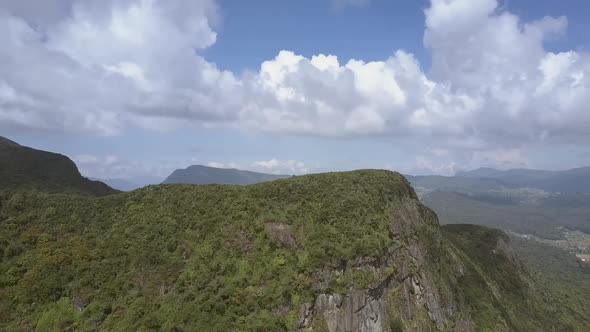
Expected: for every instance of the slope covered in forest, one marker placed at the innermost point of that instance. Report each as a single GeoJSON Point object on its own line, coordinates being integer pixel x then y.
{"type": "Point", "coordinates": [22, 167]}
{"type": "Point", "coordinates": [336, 251]}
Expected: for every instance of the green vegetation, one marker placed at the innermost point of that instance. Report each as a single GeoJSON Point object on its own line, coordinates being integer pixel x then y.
{"type": "Point", "coordinates": [496, 285]}
{"type": "Point", "coordinates": [559, 272]}
{"type": "Point", "coordinates": [246, 258]}
{"type": "Point", "coordinates": [25, 168]}
{"type": "Point", "coordinates": [488, 197]}
{"type": "Point", "coordinates": [540, 219]}
{"type": "Point", "coordinates": [184, 257]}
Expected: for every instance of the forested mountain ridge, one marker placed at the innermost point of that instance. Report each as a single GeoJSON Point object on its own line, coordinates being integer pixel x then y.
{"type": "Point", "coordinates": [22, 167]}
{"type": "Point", "coordinates": [336, 251]}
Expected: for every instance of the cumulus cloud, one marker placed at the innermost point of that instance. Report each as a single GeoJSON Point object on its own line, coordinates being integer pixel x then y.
{"type": "Point", "coordinates": [448, 162]}
{"type": "Point", "coordinates": [102, 66]}
{"type": "Point", "coordinates": [428, 164]}
{"type": "Point", "coordinates": [223, 165]}
{"type": "Point", "coordinates": [277, 166]}
{"type": "Point", "coordinates": [492, 85]}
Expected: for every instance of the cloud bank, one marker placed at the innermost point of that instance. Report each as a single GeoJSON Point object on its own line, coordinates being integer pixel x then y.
{"type": "Point", "coordinates": [101, 67]}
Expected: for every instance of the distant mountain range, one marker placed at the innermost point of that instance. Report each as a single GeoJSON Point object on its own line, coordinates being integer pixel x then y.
{"type": "Point", "coordinates": [22, 167]}
{"type": "Point", "coordinates": [196, 174]}
{"type": "Point", "coordinates": [572, 180]}
{"type": "Point", "coordinates": [576, 180]}
{"type": "Point", "coordinates": [199, 174]}
{"type": "Point", "coordinates": [527, 201]}
{"type": "Point", "coordinates": [480, 180]}
{"type": "Point", "coordinates": [27, 168]}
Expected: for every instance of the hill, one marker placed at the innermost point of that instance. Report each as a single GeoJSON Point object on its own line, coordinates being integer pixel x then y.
{"type": "Point", "coordinates": [199, 174]}
{"type": "Point", "coordinates": [22, 167]}
{"type": "Point", "coordinates": [344, 251]}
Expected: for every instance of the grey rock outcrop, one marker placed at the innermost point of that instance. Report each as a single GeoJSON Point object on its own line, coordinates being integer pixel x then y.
{"type": "Point", "coordinates": [404, 293]}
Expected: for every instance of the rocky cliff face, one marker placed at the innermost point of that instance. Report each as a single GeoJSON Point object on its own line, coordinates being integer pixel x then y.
{"type": "Point", "coordinates": [405, 293]}
{"type": "Point", "coordinates": [426, 281]}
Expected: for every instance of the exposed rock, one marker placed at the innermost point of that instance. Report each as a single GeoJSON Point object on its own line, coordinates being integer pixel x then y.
{"type": "Point", "coordinates": [281, 233]}
{"type": "Point", "coordinates": [281, 310]}
{"type": "Point", "coordinates": [503, 246]}
{"type": "Point", "coordinates": [304, 317]}
{"type": "Point", "coordinates": [368, 310]}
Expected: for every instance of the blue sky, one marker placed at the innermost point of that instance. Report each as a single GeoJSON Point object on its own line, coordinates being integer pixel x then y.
{"type": "Point", "coordinates": [434, 87]}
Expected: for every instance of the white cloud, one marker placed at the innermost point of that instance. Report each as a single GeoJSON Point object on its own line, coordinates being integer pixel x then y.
{"type": "Point", "coordinates": [276, 166]}
{"type": "Point", "coordinates": [102, 66]}
{"type": "Point", "coordinates": [499, 158]}
{"type": "Point", "coordinates": [216, 164]}
{"type": "Point", "coordinates": [111, 166]}
{"type": "Point", "coordinates": [108, 64]}
{"type": "Point", "coordinates": [223, 165]}
{"type": "Point", "coordinates": [429, 164]}
{"type": "Point", "coordinates": [448, 162]}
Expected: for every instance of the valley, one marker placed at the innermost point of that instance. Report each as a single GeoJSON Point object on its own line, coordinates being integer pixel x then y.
{"type": "Point", "coordinates": [575, 242]}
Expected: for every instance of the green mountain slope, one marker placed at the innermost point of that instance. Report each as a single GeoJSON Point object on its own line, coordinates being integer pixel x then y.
{"type": "Point", "coordinates": [498, 285]}
{"type": "Point", "coordinates": [560, 271]}
{"type": "Point", "coordinates": [26, 168]}
{"type": "Point", "coordinates": [198, 174]}
{"type": "Point", "coordinates": [338, 251]}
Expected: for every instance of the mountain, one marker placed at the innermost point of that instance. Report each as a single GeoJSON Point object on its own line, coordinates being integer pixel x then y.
{"type": "Point", "coordinates": [572, 180]}
{"type": "Point", "coordinates": [537, 202]}
{"type": "Point", "coordinates": [22, 167]}
{"type": "Point", "coordinates": [350, 251]}
{"type": "Point", "coordinates": [198, 174]}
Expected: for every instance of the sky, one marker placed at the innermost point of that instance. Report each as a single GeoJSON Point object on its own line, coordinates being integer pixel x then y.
{"type": "Point", "coordinates": [138, 88]}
